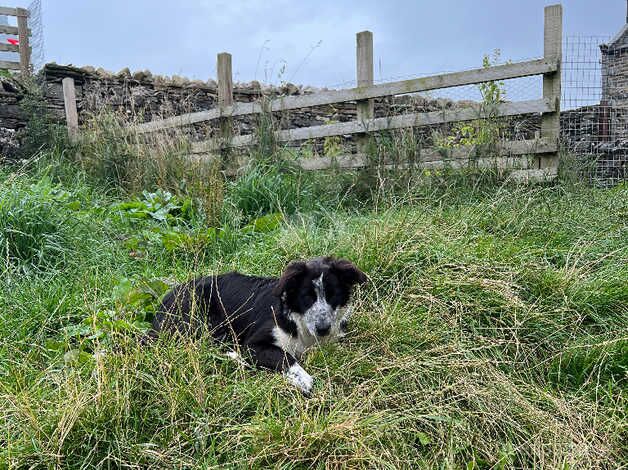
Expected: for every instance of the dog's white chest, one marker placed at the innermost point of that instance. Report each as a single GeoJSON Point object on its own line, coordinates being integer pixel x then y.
{"type": "Point", "coordinates": [291, 344]}
{"type": "Point", "coordinates": [295, 345]}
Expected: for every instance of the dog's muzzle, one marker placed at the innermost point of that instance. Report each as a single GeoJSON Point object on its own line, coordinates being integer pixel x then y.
{"type": "Point", "coordinates": [323, 328]}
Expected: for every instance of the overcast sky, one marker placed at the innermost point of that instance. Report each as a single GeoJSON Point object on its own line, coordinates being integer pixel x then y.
{"type": "Point", "coordinates": [307, 42]}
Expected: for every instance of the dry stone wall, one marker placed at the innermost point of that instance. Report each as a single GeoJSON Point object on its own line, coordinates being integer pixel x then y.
{"type": "Point", "coordinates": [144, 97]}
{"type": "Point", "coordinates": [12, 118]}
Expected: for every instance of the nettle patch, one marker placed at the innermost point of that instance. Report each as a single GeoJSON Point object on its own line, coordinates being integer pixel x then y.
{"type": "Point", "coordinates": [160, 205]}
{"type": "Point", "coordinates": [175, 225]}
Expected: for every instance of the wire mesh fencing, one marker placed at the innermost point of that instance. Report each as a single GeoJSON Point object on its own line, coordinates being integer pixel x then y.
{"type": "Point", "coordinates": [36, 25]}
{"type": "Point", "coordinates": [594, 121]}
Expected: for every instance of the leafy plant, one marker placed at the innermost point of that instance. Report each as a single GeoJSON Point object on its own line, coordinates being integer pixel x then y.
{"type": "Point", "coordinates": [160, 205]}
{"type": "Point", "coordinates": [178, 239]}
{"type": "Point", "coordinates": [484, 133]}
{"type": "Point", "coordinates": [131, 312]}
{"type": "Point", "coordinates": [265, 223]}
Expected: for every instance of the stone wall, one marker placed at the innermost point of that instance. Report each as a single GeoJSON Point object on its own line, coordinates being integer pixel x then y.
{"type": "Point", "coordinates": [12, 118]}
{"type": "Point", "coordinates": [143, 97]}
{"type": "Point", "coordinates": [598, 136]}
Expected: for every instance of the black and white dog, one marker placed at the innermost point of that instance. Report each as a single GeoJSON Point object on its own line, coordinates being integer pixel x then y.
{"type": "Point", "coordinates": [275, 320]}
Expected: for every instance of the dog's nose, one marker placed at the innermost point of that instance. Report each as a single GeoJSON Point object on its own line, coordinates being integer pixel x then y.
{"type": "Point", "coordinates": [323, 330]}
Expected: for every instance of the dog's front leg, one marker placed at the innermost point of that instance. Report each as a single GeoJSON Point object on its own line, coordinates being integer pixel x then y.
{"type": "Point", "coordinates": [274, 358]}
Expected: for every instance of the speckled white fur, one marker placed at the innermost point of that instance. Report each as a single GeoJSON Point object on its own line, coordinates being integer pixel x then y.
{"type": "Point", "coordinates": [297, 376]}
{"type": "Point", "coordinates": [306, 337]}
{"type": "Point", "coordinates": [234, 356]}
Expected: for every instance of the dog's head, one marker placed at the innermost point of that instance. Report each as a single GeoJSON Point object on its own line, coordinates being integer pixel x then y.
{"type": "Point", "coordinates": [319, 290]}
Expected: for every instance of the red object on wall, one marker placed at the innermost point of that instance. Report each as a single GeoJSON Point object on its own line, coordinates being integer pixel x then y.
{"type": "Point", "coordinates": [15, 42]}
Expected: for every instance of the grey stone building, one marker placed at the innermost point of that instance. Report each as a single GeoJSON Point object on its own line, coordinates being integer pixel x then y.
{"type": "Point", "coordinates": [615, 69]}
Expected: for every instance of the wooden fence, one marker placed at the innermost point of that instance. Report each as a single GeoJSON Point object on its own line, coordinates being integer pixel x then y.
{"type": "Point", "coordinates": [543, 147]}
{"type": "Point", "coordinates": [22, 48]}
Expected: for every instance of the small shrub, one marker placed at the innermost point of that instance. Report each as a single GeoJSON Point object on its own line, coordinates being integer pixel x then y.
{"type": "Point", "coordinates": [486, 133]}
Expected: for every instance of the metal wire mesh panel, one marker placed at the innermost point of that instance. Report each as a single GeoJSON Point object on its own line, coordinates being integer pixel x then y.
{"type": "Point", "coordinates": [594, 128]}
{"type": "Point", "coordinates": [36, 25]}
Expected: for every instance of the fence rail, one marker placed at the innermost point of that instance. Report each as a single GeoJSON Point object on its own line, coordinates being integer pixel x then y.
{"type": "Point", "coordinates": [8, 11]}
{"type": "Point", "coordinates": [469, 77]}
{"type": "Point", "coordinates": [385, 123]}
{"type": "Point", "coordinates": [23, 33]}
{"type": "Point", "coordinates": [544, 147]}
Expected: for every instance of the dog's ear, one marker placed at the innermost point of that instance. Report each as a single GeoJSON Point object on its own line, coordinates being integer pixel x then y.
{"type": "Point", "coordinates": [290, 278]}
{"type": "Point", "coordinates": [348, 272]}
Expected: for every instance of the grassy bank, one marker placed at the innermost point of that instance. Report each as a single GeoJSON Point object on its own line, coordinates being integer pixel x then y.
{"type": "Point", "coordinates": [493, 332]}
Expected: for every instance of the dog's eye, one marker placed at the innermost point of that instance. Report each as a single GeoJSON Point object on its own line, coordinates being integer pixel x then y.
{"type": "Point", "coordinates": [335, 296]}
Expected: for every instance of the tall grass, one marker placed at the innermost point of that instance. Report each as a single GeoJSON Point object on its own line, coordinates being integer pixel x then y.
{"type": "Point", "coordinates": [40, 225]}
{"type": "Point", "coordinates": [493, 332]}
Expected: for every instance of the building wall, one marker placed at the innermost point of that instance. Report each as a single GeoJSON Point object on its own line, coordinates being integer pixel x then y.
{"type": "Point", "coordinates": [615, 70]}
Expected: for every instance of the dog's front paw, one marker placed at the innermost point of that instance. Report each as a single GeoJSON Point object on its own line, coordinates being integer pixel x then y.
{"type": "Point", "coordinates": [234, 356]}
{"type": "Point", "coordinates": [297, 376]}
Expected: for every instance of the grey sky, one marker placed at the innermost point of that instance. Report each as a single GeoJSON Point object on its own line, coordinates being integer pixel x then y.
{"type": "Point", "coordinates": [313, 42]}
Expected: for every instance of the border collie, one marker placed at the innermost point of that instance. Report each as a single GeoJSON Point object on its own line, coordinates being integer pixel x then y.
{"type": "Point", "coordinates": [275, 320]}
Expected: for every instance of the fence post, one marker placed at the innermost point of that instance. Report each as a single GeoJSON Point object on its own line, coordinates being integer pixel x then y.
{"type": "Point", "coordinates": [225, 95]}
{"type": "Point", "coordinates": [364, 67]}
{"type": "Point", "coordinates": [24, 46]}
{"type": "Point", "coordinates": [71, 114]}
{"type": "Point", "coordinates": [550, 122]}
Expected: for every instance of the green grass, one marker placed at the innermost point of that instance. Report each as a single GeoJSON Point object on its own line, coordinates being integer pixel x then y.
{"type": "Point", "coordinates": [493, 332]}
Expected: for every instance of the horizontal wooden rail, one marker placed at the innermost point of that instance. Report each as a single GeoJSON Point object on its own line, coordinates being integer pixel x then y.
{"type": "Point", "coordinates": [237, 109]}
{"type": "Point", "coordinates": [448, 80]}
{"type": "Point", "coordinates": [13, 30]}
{"type": "Point", "coordinates": [387, 123]}
{"type": "Point", "coordinates": [9, 48]}
{"type": "Point", "coordinates": [483, 162]}
{"type": "Point", "coordinates": [505, 149]}
{"type": "Point", "coordinates": [508, 155]}
{"type": "Point", "coordinates": [8, 11]}
{"type": "Point", "coordinates": [534, 175]}
{"type": "Point", "coordinates": [8, 65]}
